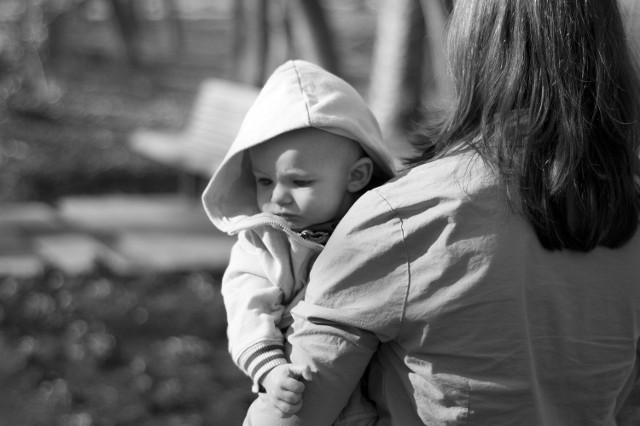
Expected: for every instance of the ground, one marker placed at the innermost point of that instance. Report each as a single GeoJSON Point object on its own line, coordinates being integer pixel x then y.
{"type": "Point", "coordinates": [101, 349]}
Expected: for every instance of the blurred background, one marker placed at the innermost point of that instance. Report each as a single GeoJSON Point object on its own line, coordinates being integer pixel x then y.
{"type": "Point", "coordinates": [114, 114]}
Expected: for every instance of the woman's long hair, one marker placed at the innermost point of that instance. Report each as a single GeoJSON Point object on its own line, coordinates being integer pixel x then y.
{"type": "Point", "coordinates": [546, 92]}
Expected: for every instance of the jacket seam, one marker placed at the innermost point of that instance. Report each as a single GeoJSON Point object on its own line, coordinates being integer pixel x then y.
{"type": "Point", "coordinates": [304, 95]}
{"type": "Point", "coordinates": [406, 255]}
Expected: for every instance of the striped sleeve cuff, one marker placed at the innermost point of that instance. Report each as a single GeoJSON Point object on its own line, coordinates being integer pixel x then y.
{"type": "Point", "coordinates": [259, 359]}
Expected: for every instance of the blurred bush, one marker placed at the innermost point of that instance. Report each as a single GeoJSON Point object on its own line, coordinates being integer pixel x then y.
{"type": "Point", "coordinates": [104, 351]}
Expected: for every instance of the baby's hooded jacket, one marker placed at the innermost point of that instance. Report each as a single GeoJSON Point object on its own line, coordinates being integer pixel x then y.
{"type": "Point", "coordinates": [270, 263]}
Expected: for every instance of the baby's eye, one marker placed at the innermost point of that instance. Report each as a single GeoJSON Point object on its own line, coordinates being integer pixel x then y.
{"type": "Point", "coordinates": [264, 181]}
{"type": "Point", "coordinates": [302, 183]}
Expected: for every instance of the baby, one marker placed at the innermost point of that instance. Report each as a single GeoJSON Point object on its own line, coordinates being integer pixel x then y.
{"type": "Point", "coordinates": [308, 147]}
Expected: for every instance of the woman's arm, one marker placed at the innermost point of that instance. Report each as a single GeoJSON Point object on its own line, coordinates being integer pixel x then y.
{"type": "Point", "coordinates": [355, 300]}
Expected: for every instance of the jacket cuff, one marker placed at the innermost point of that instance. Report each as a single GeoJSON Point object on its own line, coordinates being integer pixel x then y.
{"type": "Point", "coordinates": [259, 359]}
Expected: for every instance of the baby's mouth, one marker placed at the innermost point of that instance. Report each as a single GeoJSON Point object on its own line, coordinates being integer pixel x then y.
{"type": "Point", "coordinates": [287, 217]}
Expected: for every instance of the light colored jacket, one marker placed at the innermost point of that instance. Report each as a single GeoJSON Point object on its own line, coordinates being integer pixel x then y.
{"type": "Point", "coordinates": [269, 264]}
{"type": "Point", "coordinates": [465, 318]}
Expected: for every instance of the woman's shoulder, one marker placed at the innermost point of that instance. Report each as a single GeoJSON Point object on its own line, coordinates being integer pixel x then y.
{"type": "Point", "coordinates": [459, 176]}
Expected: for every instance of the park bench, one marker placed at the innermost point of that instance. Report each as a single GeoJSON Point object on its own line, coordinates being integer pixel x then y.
{"type": "Point", "coordinates": [197, 150]}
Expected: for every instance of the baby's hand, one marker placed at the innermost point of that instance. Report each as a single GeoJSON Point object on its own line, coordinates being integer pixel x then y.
{"type": "Point", "coordinates": [284, 387]}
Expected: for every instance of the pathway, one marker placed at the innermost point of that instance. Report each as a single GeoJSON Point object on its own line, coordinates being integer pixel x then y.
{"type": "Point", "coordinates": [127, 234]}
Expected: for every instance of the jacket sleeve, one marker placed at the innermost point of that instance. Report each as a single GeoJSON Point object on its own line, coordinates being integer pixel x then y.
{"type": "Point", "coordinates": [254, 305]}
{"type": "Point", "coordinates": [355, 300]}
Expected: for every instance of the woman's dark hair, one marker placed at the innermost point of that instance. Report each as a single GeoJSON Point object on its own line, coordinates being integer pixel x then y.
{"type": "Point", "coordinates": [546, 92]}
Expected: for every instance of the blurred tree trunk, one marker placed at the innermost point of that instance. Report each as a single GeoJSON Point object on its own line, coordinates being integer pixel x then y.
{"type": "Point", "coordinates": [408, 66]}
{"type": "Point", "coordinates": [266, 33]}
{"type": "Point", "coordinates": [251, 43]}
{"type": "Point", "coordinates": [434, 65]}
{"type": "Point", "coordinates": [394, 85]}
{"type": "Point", "coordinates": [129, 27]}
{"type": "Point", "coordinates": [128, 19]}
{"type": "Point", "coordinates": [312, 35]}
{"type": "Point", "coordinates": [24, 83]}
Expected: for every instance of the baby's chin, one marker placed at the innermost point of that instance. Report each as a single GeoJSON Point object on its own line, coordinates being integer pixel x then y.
{"type": "Point", "coordinates": [298, 224]}
{"type": "Point", "coordinates": [294, 222]}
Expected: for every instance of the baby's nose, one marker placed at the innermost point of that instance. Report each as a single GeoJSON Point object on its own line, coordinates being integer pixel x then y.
{"type": "Point", "coordinates": [280, 195]}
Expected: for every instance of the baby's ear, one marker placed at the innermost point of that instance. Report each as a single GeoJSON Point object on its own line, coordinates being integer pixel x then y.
{"type": "Point", "coordinates": [360, 174]}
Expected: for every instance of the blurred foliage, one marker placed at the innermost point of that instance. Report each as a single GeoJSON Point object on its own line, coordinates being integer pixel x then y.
{"type": "Point", "coordinates": [78, 144]}
{"type": "Point", "coordinates": [29, 34]}
{"type": "Point", "coordinates": [23, 33]}
{"type": "Point", "coordinates": [83, 149]}
{"type": "Point", "coordinates": [75, 142]}
{"type": "Point", "coordinates": [103, 351]}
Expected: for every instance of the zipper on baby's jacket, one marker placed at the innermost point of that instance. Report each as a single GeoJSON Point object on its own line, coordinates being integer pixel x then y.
{"type": "Point", "coordinates": [264, 220]}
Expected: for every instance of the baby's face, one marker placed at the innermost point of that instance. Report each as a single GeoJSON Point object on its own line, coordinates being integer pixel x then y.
{"type": "Point", "coordinates": [302, 176]}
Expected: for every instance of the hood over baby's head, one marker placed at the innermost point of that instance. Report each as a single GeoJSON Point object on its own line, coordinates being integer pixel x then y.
{"type": "Point", "coordinates": [297, 95]}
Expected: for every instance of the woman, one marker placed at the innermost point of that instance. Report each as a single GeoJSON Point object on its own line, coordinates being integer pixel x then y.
{"type": "Point", "coordinates": [497, 281]}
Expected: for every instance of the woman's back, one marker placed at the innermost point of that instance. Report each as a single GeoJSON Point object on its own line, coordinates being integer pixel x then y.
{"type": "Point", "coordinates": [524, 267]}
{"type": "Point", "coordinates": [497, 329]}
